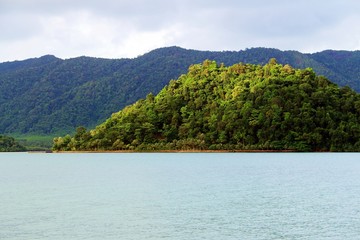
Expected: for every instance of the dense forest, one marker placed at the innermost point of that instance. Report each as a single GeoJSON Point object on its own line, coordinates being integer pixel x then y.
{"type": "Point", "coordinates": [51, 96]}
{"type": "Point", "coordinates": [8, 144]}
{"type": "Point", "coordinates": [241, 107]}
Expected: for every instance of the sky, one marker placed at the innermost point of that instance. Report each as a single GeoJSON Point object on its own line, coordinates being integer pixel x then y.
{"type": "Point", "coordinates": [129, 28]}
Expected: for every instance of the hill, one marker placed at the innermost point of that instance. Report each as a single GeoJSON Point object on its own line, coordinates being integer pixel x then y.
{"type": "Point", "coordinates": [51, 96]}
{"type": "Point", "coordinates": [242, 107]}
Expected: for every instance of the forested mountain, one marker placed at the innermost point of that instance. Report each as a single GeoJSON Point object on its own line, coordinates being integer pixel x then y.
{"type": "Point", "coordinates": [245, 106]}
{"type": "Point", "coordinates": [48, 95]}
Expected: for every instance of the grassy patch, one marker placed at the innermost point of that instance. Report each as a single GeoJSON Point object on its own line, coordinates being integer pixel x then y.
{"type": "Point", "coordinates": [35, 142]}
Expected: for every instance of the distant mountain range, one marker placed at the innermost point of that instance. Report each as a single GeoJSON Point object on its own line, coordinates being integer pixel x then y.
{"type": "Point", "coordinates": [48, 95]}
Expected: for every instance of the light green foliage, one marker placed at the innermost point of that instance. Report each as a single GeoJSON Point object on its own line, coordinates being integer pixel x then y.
{"type": "Point", "coordinates": [271, 107]}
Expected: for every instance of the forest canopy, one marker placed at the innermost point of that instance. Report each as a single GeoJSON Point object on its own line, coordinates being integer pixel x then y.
{"type": "Point", "coordinates": [48, 96]}
{"type": "Point", "coordinates": [240, 107]}
{"type": "Point", "coordinates": [8, 144]}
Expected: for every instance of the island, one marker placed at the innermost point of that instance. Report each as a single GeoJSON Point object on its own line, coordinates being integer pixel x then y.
{"type": "Point", "coordinates": [271, 107]}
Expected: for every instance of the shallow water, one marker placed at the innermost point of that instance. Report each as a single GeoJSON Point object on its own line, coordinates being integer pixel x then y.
{"type": "Point", "coordinates": [180, 196]}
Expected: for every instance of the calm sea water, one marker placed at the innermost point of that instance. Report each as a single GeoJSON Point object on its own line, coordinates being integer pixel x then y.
{"type": "Point", "coordinates": [181, 196]}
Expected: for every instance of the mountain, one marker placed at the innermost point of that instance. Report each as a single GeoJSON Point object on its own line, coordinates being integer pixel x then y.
{"type": "Point", "coordinates": [48, 95]}
{"type": "Point", "coordinates": [241, 107]}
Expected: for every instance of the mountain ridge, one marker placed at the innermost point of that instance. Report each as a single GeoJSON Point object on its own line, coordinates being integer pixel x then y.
{"type": "Point", "coordinates": [49, 95]}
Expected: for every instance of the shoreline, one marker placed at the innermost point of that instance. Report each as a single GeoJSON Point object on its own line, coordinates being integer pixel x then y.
{"type": "Point", "coordinates": [179, 151]}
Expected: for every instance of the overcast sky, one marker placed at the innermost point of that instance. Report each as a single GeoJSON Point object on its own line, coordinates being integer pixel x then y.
{"type": "Point", "coordinates": [128, 28]}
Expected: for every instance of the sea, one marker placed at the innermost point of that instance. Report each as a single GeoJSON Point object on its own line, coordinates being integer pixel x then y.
{"type": "Point", "coordinates": [179, 196]}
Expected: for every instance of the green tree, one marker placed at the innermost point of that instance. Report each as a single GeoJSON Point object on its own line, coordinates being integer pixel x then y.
{"type": "Point", "coordinates": [242, 107]}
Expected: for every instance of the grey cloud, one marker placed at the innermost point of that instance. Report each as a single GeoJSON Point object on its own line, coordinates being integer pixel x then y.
{"type": "Point", "coordinates": [211, 24]}
{"type": "Point", "coordinates": [19, 26]}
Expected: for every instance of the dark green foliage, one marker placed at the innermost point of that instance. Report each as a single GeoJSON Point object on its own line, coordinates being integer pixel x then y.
{"type": "Point", "coordinates": [8, 144]}
{"type": "Point", "coordinates": [48, 95]}
{"type": "Point", "coordinates": [241, 107]}
{"type": "Point", "coordinates": [343, 63]}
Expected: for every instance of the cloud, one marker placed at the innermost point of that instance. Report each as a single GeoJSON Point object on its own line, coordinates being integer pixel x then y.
{"type": "Point", "coordinates": [127, 28]}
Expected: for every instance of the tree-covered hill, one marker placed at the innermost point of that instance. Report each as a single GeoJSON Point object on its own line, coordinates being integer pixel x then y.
{"type": "Point", "coordinates": [241, 107]}
{"type": "Point", "coordinates": [344, 63]}
{"type": "Point", "coordinates": [48, 95]}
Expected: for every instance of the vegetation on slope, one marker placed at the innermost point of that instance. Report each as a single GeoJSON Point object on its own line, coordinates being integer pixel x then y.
{"type": "Point", "coordinates": [51, 96]}
{"type": "Point", "coordinates": [8, 144]}
{"type": "Point", "coordinates": [346, 63]}
{"type": "Point", "coordinates": [244, 106]}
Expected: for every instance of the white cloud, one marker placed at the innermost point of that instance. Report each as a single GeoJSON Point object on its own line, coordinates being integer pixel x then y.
{"type": "Point", "coordinates": [138, 43]}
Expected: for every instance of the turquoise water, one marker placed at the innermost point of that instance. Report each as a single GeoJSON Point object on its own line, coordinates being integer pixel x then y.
{"type": "Point", "coordinates": [180, 196]}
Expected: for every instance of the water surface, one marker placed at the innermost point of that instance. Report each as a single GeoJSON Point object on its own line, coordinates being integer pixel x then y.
{"type": "Point", "coordinates": [180, 196]}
